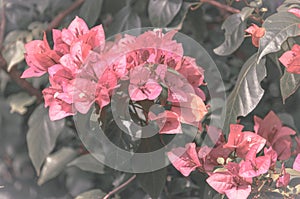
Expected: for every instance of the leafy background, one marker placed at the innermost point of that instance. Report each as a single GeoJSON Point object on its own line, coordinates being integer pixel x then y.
{"type": "Point", "coordinates": [47, 160]}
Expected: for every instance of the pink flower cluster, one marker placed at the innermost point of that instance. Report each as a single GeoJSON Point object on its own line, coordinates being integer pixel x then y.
{"type": "Point", "coordinates": [85, 69]}
{"type": "Point", "coordinates": [235, 166]}
{"type": "Point", "coordinates": [291, 58]}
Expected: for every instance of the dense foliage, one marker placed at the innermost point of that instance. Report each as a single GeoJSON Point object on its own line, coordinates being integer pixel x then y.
{"type": "Point", "coordinates": [225, 130]}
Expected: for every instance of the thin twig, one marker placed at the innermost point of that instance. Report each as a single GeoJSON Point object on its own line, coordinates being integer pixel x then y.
{"type": "Point", "coordinates": [221, 6]}
{"type": "Point", "coordinates": [117, 189]}
{"type": "Point", "coordinates": [15, 74]}
{"type": "Point", "coordinates": [57, 20]}
{"type": "Point", "coordinates": [229, 9]}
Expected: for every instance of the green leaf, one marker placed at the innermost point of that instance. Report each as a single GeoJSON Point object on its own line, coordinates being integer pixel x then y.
{"type": "Point", "coordinates": [91, 194]}
{"type": "Point", "coordinates": [153, 182]}
{"type": "Point", "coordinates": [88, 163]}
{"type": "Point", "coordinates": [161, 12]}
{"type": "Point", "coordinates": [19, 101]}
{"type": "Point", "coordinates": [14, 54]}
{"type": "Point", "coordinates": [4, 79]}
{"type": "Point", "coordinates": [234, 26]}
{"type": "Point", "coordinates": [37, 29]}
{"type": "Point", "coordinates": [247, 91]}
{"type": "Point", "coordinates": [55, 163]}
{"type": "Point", "coordinates": [41, 135]}
{"type": "Point", "coordinates": [289, 83]}
{"type": "Point", "coordinates": [288, 4]}
{"type": "Point", "coordinates": [125, 19]}
{"type": "Point", "coordinates": [294, 173]}
{"type": "Point", "coordinates": [279, 27]}
{"type": "Point", "coordinates": [178, 20]}
{"type": "Point", "coordinates": [90, 11]}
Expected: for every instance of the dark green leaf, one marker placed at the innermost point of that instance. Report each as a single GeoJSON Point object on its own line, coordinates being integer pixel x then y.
{"type": "Point", "coordinates": [153, 182]}
{"type": "Point", "coordinates": [279, 27]}
{"type": "Point", "coordinates": [234, 26]}
{"type": "Point", "coordinates": [161, 12]}
{"type": "Point", "coordinates": [289, 83]}
{"type": "Point", "coordinates": [125, 19]}
{"type": "Point", "coordinates": [288, 4]}
{"type": "Point", "coordinates": [55, 163]}
{"type": "Point", "coordinates": [91, 194]}
{"type": "Point", "coordinates": [90, 11]}
{"type": "Point", "coordinates": [247, 91]}
{"type": "Point", "coordinates": [178, 20]}
{"type": "Point", "coordinates": [42, 135]}
{"type": "Point", "coordinates": [88, 163]}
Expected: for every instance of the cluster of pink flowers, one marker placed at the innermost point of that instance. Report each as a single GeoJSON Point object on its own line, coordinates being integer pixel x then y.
{"type": "Point", "coordinates": [235, 166]}
{"type": "Point", "coordinates": [85, 69]}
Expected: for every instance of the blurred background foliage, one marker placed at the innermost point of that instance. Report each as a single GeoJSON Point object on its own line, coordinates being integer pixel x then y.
{"type": "Point", "coordinates": [57, 171]}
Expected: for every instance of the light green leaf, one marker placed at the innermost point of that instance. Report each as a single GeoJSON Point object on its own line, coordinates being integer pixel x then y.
{"type": "Point", "coordinates": [161, 12]}
{"type": "Point", "coordinates": [279, 27]}
{"type": "Point", "coordinates": [90, 11]}
{"type": "Point", "coordinates": [91, 194]}
{"type": "Point", "coordinates": [88, 163]}
{"type": "Point", "coordinates": [247, 91]}
{"type": "Point", "coordinates": [289, 83]}
{"type": "Point", "coordinates": [42, 135]}
{"type": "Point", "coordinates": [19, 101]}
{"type": "Point", "coordinates": [234, 26]}
{"type": "Point", "coordinates": [55, 163]}
{"type": "Point", "coordinates": [37, 29]}
{"type": "Point", "coordinates": [14, 54]}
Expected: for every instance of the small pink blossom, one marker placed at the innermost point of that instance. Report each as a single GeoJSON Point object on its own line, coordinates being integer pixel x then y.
{"type": "Point", "coordinates": [284, 178]}
{"type": "Point", "coordinates": [185, 160]}
{"type": "Point", "coordinates": [230, 183]}
{"type": "Point", "coordinates": [277, 136]}
{"type": "Point", "coordinates": [141, 87]}
{"type": "Point", "coordinates": [243, 141]}
{"type": "Point", "coordinates": [39, 58]}
{"type": "Point", "coordinates": [296, 164]}
{"type": "Point", "coordinates": [291, 59]}
{"type": "Point", "coordinates": [168, 122]}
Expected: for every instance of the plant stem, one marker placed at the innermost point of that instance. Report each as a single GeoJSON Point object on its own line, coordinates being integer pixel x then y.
{"type": "Point", "coordinates": [117, 189]}
{"type": "Point", "coordinates": [221, 6]}
{"type": "Point", "coordinates": [57, 20]}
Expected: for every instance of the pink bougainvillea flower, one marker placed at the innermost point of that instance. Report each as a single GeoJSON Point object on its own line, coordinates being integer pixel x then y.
{"type": "Point", "coordinates": [254, 166]}
{"type": "Point", "coordinates": [284, 178]}
{"type": "Point", "coordinates": [39, 58]}
{"type": "Point", "coordinates": [58, 108]}
{"type": "Point", "coordinates": [230, 183]}
{"type": "Point", "coordinates": [295, 11]}
{"type": "Point", "coordinates": [185, 160]}
{"type": "Point", "coordinates": [291, 59]}
{"type": "Point", "coordinates": [296, 164]}
{"type": "Point", "coordinates": [167, 121]}
{"type": "Point", "coordinates": [273, 156]}
{"type": "Point", "coordinates": [217, 155]}
{"type": "Point", "coordinates": [256, 33]}
{"type": "Point", "coordinates": [277, 136]}
{"type": "Point", "coordinates": [297, 149]}
{"type": "Point", "coordinates": [192, 111]}
{"type": "Point", "coordinates": [76, 29]}
{"type": "Point", "coordinates": [243, 141]}
{"type": "Point", "coordinates": [141, 87]}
